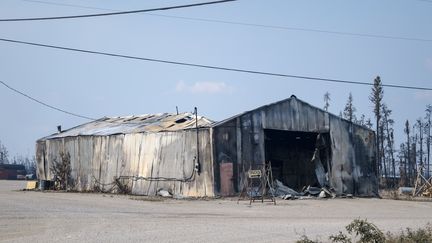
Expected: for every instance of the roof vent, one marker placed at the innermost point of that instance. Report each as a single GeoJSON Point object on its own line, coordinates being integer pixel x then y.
{"type": "Point", "coordinates": [59, 129]}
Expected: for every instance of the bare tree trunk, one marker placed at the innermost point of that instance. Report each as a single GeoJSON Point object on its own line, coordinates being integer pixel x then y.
{"type": "Point", "coordinates": [383, 159]}
{"type": "Point", "coordinates": [409, 154]}
{"type": "Point", "coordinates": [421, 146]}
{"type": "Point", "coordinates": [428, 141]}
{"type": "Point", "coordinates": [413, 160]}
{"type": "Point", "coordinates": [378, 161]}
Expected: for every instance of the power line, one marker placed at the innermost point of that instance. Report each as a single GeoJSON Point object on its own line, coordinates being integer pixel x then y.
{"type": "Point", "coordinates": [274, 27]}
{"type": "Point", "coordinates": [116, 13]}
{"type": "Point", "coordinates": [214, 67]}
{"type": "Point", "coordinates": [45, 104]}
{"type": "Point", "coordinates": [62, 110]}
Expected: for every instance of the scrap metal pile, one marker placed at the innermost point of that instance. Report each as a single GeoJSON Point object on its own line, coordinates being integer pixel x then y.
{"type": "Point", "coordinates": [286, 193]}
{"type": "Point", "coordinates": [423, 186]}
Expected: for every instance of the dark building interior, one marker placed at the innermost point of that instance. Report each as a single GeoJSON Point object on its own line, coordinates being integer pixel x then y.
{"type": "Point", "coordinates": [292, 156]}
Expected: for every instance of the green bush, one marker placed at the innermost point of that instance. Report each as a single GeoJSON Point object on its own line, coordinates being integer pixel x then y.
{"type": "Point", "coordinates": [362, 231]}
{"type": "Point", "coordinates": [411, 236]}
{"type": "Point", "coordinates": [367, 232]}
{"type": "Point", "coordinates": [340, 238]}
{"type": "Point", "coordinates": [305, 239]}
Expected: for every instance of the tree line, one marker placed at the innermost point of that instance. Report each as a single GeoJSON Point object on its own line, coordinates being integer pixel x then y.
{"type": "Point", "coordinates": [396, 167]}
{"type": "Point", "coordinates": [28, 162]}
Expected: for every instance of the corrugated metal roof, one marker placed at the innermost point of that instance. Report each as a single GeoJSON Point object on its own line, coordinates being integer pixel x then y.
{"type": "Point", "coordinates": [135, 124]}
{"type": "Point", "coordinates": [219, 123]}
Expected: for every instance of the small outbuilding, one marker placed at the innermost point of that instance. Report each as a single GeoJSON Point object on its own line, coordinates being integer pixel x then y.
{"type": "Point", "coordinates": [189, 155]}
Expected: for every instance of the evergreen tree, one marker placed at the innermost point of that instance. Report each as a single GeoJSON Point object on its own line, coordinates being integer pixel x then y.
{"type": "Point", "coordinates": [349, 109]}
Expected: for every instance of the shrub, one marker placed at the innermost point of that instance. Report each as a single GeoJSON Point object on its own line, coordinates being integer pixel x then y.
{"type": "Point", "coordinates": [411, 236]}
{"type": "Point", "coordinates": [367, 232]}
{"type": "Point", "coordinates": [305, 239]}
{"type": "Point", "coordinates": [62, 171]}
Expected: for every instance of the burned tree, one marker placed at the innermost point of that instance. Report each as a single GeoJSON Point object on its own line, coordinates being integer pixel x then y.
{"type": "Point", "coordinates": [428, 137]}
{"type": "Point", "coordinates": [381, 153]}
{"type": "Point", "coordinates": [4, 154]}
{"type": "Point", "coordinates": [326, 101]}
{"type": "Point", "coordinates": [403, 168]}
{"type": "Point", "coordinates": [349, 109]}
{"type": "Point", "coordinates": [388, 132]}
{"type": "Point", "coordinates": [411, 153]}
{"type": "Point", "coordinates": [420, 125]}
{"type": "Point", "coordinates": [376, 98]}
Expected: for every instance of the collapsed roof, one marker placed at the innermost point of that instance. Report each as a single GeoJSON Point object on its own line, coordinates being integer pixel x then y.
{"type": "Point", "coordinates": [162, 122]}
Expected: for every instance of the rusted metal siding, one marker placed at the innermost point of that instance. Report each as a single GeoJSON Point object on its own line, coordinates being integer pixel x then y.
{"type": "Point", "coordinates": [225, 152]}
{"type": "Point", "coordinates": [352, 146]}
{"type": "Point", "coordinates": [97, 160]}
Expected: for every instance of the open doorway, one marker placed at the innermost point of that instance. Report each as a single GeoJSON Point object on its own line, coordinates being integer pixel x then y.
{"type": "Point", "coordinates": [291, 153]}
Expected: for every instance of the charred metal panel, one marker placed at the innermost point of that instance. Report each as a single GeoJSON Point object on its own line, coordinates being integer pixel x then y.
{"type": "Point", "coordinates": [353, 159]}
{"type": "Point", "coordinates": [342, 156]}
{"type": "Point", "coordinates": [225, 151]}
{"type": "Point", "coordinates": [41, 159]}
{"type": "Point", "coordinates": [365, 172]}
{"type": "Point", "coordinates": [97, 160]}
{"type": "Point", "coordinates": [350, 158]}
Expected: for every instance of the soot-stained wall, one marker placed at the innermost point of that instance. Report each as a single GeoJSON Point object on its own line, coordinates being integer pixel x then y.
{"type": "Point", "coordinates": [241, 141]}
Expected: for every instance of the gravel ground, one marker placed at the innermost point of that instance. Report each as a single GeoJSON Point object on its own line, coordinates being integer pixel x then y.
{"type": "Point", "coordinates": [83, 217]}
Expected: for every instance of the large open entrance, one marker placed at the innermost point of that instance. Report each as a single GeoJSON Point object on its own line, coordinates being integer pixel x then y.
{"type": "Point", "coordinates": [298, 159]}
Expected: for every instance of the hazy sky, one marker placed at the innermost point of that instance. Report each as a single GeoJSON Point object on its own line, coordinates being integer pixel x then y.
{"type": "Point", "coordinates": [98, 86]}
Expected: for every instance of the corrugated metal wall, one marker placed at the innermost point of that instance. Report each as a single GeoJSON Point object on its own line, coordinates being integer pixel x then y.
{"type": "Point", "coordinates": [97, 160]}
{"type": "Point", "coordinates": [352, 146]}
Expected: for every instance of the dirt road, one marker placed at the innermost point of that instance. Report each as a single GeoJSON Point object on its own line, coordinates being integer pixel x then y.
{"type": "Point", "coordinates": [81, 217]}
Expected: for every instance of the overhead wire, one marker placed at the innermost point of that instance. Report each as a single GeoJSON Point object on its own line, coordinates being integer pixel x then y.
{"type": "Point", "coordinates": [45, 104]}
{"type": "Point", "coordinates": [266, 26]}
{"type": "Point", "coordinates": [103, 120]}
{"type": "Point", "coordinates": [221, 68]}
{"type": "Point", "coordinates": [115, 13]}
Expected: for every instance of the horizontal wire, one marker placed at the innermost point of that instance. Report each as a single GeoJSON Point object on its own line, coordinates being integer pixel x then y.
{"type": "Point", "coordinates": [274, 27]}
{"type": "Point", "coordinates": [115, 13]}
{"type": "Point", "coordinates": [45, 104]}
{"type": "Point", "coordinates": [328, 80]}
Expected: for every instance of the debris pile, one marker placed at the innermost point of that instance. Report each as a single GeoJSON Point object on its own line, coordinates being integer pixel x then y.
{"type": "Point", "coordinates": [286, 193]}
{"type": "Point", "coordinates": [423, 185]}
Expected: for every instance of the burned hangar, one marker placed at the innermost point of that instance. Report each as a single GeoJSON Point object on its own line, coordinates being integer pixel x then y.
{"type": "Point", "coordinates": [304, 144]}
{"type": "Point", "coordinates": [190, 155]}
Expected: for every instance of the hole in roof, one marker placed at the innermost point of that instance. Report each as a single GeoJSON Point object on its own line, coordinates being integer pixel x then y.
{"type": "Point", "coordinates": [181, 120]}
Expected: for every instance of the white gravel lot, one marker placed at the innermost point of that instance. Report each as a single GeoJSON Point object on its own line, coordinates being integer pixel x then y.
{"type": "Point", "coordinates": [83, 217]}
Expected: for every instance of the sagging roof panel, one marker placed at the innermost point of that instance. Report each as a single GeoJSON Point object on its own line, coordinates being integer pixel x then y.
{"type": "Point", "coordinates": [161, 122]}
{"type": "Point", "coordinates": [220, 123]}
